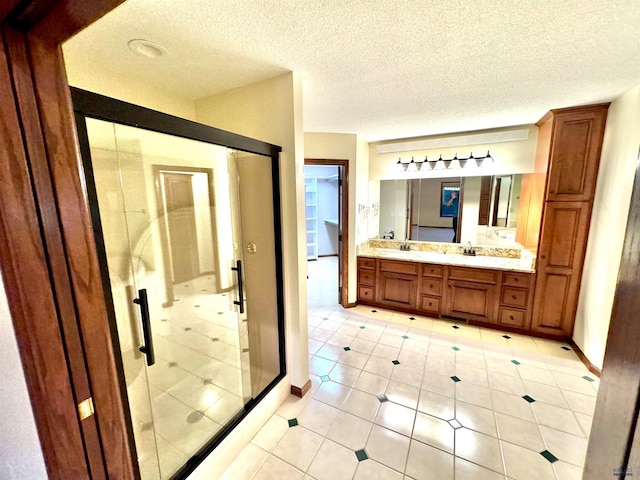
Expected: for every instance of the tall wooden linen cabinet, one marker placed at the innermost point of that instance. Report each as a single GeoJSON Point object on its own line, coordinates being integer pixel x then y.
{"type": "Point", "coordinates": [556, 204]}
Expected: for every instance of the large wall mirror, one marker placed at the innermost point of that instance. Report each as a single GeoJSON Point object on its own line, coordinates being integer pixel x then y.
{"type": "Point", "coordinates": [482, 210]}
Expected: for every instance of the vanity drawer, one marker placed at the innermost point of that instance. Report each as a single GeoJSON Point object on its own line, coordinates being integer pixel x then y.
{"type": "Point", "coordinates": [512, 317]}
{"type": "Point", "coordinates": [473, 275]}
{"type": "Point", "coordinates": [429, 304]}
{"type": "Point", "coordinates": [367, 277]}
{"type": "Point", "coordinates": [432, 270]}
{"type": "Point", "coordinates": [366, 294]}
{"type": "Point", "coordinates": [431, 286]}
{"type": "Point", "coordinates": [514, 297]}
{"type": "Point", "coordinates": [515, 279]}
{"type": "Point", "coordinates": [408, 268]}
{"type": "Point", "coordinates": [368, 263]}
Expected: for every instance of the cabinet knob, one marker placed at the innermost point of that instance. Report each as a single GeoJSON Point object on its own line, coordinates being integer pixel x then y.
{"type": "Point", "coordinates": [513, 296]}
{"type": "Point", "coordinates": [510, 317]}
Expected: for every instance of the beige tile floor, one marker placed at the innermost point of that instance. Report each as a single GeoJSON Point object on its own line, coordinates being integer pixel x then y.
{"type": "Point", "coordinates": [396, 396]}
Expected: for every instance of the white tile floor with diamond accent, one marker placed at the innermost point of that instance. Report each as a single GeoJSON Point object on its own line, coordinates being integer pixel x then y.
{"type": "Point", "coordinates": [397, 396]}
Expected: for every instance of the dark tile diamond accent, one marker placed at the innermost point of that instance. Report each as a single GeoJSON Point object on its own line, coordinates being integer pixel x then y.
{"type": "Point", "coordinates": [208, 381]}
{"type": "Point", "coordinates": [361, 455]}
{"type": "Point", "coordinates": [220, 313]}
{"type": "Point", "coordinates": [146, 426]}
{"type": "Point", "coordinates": [346, 349]}
{"type": "Point", "coordinates": [529, 399]}
{"type": "Point", "coordinates": [383, 398]}
{"type": "Point", "coordinates": [564, 347]}
{"type": "Point", "coordinates": [412, 318]}
{"type": "Point", "coordinates": [197, 306]}
{"type": "Point", "coordinates": [325, 318]}
{"type": "Point", "coordinates": [549, 456]}
{"type": "Point", "coordinates": [173, 364]}
{"type": "Point", "coordinates": [455, 326]}
{"type": "Point", "coordinates": [588, 379]}
{"type": "Point", "coordinates": [506, 336]}
{"type": "Point", "coordinates": [395, 362]}
{"type": "Point", "coordinates": [405, 337]}
{"type": "Point", "coordinates": [362, 327]}
{"type": "Point", "coordinates": [515, 362]}
{"type": "Point", "coordinates": [176, 299]}
{"type": "Point", "coordinates": [455, 348]}
{"type": "Point", "coordinates": [186, 329]}
{"type": "Point", "coordinates": [455, 379]}
{"type": "Point", "coordinates": [215, 339]}
{"type": "Point", "coordinates": [224, 294]}
{"type": "Point", "coordinates": [374, 311]}
{"type": "Point", "coordinates": [195, 416]}
{"type": "Point", "coordinates": [324, 378]}
{"type": "Point", "coordinates": [186, 285]}
{"type": "Point", "coordinates": [164, 320]}
{"type": "Point", "coordinates": [245, 350]}
{"type": "Point", "coordinates": [203, 290]}
{"type": "Point", "coordinates": [293, 422]}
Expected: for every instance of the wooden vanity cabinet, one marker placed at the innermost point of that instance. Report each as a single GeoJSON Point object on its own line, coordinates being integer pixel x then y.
{"type": "Point", "coordinates": [397, 284]}
{"type": "Point", "coordinates": [481, 296]}
{"type": "Point", "coordinates": [515, 300]}
{"type": "Point", "coordinates": [366, 280]}
{"type": "Point", "coordinates": [430, 288]}
{"type": "Point", "coordinates": [472, 293]}
{"type": "Point", "coordinates": [555, 211]}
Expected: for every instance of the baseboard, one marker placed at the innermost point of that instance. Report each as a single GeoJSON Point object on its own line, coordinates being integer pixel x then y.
{"type": "Point", "coordinates": [300, 392]}
{"type": "Point", "coordinates": [590, 366]}
{"type": "Point", "coordinates": [350, 305]}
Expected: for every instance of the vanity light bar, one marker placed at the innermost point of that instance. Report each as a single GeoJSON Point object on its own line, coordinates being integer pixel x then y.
{"type": "Point", "coordinates": [462, 162]}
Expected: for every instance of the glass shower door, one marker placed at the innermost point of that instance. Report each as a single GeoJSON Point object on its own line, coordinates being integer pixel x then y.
{"type": "Point", "coordinates": [170, 218]}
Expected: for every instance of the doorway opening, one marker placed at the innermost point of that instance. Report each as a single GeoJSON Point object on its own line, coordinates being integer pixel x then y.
{"type": "Point", "coordinates": [327, 227]}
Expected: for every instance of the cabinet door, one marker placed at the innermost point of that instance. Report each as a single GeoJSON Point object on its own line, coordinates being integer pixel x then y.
{"type": "Point", "coordinates": [397, 290]}
{"type": "Point", "coordinates": [471, 300]}
{"type": "Point", "coordinates": [559, 270]}
{"type": "Point", "coordinates": [575, 153]}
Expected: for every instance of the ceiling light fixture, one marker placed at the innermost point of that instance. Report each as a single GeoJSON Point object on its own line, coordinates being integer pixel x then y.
{"type": "Point", "coordinates": [446, 162]}
{"type": "Point", "coordinates": [146, 48]}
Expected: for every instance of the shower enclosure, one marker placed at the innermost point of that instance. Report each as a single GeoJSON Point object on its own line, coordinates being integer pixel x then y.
{"type": "Point", "coordinates": [187, 222]}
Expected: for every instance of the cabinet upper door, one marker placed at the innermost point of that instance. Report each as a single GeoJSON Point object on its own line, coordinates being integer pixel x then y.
{"type": "Point", "coordinates": [574, 157]}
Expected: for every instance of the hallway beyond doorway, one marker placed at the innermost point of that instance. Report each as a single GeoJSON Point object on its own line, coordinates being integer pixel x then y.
{"type": "Point", "coordinates": [322, 287]}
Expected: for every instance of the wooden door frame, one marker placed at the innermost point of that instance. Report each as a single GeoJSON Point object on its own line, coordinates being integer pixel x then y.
{"type": "Point", "coordinates": [343, 228]}
{"type": "Point", "coordinates": [48, 256]}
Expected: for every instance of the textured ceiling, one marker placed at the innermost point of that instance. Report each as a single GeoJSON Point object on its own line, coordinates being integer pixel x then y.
{"type": "Point", "coordinates": [384, 69]}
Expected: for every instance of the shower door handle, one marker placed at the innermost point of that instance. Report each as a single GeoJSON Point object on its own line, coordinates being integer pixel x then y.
{"type": "Point", "coordinates": [147, 348]}
{"type": "Point", "coordinates": [238, 270]}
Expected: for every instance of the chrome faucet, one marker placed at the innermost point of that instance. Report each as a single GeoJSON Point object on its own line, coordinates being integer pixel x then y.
{"type": "Point", "coordinates": [404, 246]}
{"type": "Point", "coordinates": [469, 250]}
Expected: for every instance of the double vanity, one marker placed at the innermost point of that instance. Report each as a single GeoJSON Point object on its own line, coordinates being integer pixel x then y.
{"type": "Point", "coordinates": [491, 288]}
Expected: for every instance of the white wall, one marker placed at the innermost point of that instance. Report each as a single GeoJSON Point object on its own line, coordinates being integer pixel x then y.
{"type": "Point", "coordinates": [509, 157]}
{"type": "Point", "coordinates": [608, 225]}
{"type": "Point", "coordinates": [98, 79]}
{"type": "Point", "coordinates": [339, 146]}
{"type": "Point", "coordinates": [20, 451]}
{"type": "Point", "coordinates": [470, 210]}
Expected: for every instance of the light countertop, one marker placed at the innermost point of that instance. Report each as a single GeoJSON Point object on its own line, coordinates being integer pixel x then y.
{"type": "Point", "coordinates": [495, 263]}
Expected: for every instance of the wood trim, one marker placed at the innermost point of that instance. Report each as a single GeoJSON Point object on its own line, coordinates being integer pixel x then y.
{"type": "Point", "coordinates": [7, 6]}
{"type": "Point", "coordinates": [301, 392]}
{"type": "Point", "coordinates": [56, 114]}
{"type": "Point", "coordinates": [343, 253]}
{"type": "Point", "coordinates": [65, 18]}
{"type": "Point", "coordinates": [53, 242]}
{"type": "Point", "coordinates": [616, 414]}
{"type": "Point", "coordinates": [31, 295]}
{"type": "Point", "coordinates": [583, 358]}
